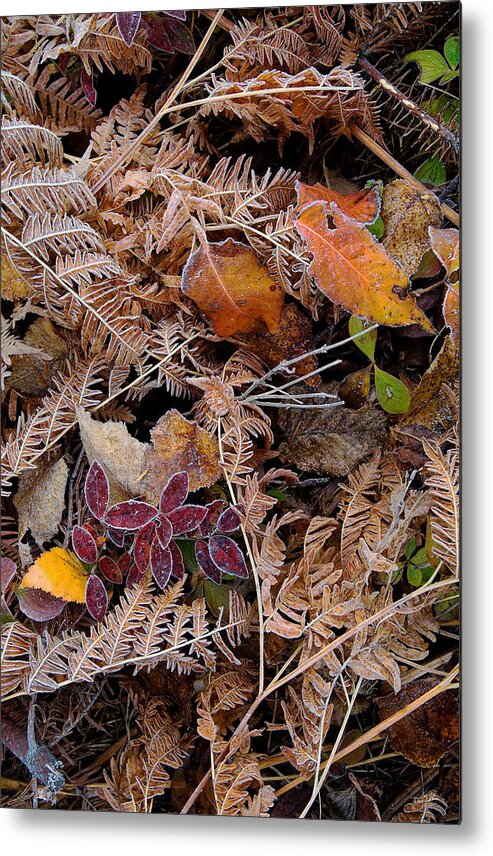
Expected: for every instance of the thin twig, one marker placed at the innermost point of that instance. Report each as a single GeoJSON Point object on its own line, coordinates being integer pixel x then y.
{"type": "Point", "coordinates": [394, 164]}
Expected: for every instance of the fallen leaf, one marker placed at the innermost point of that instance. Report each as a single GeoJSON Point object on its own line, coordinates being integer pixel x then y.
{"type": "Point", "coordinates": [130, 515]}
{"type": "Point", "coordinates": [84, 545]}
{"type": "Point", "coordinates": [293, 338]}
{"type": "Point", "coordinates": [121, 456]}
{"type": "Point", "coordinates": [96, 598]}
{"type": "Point", "coordinates": [38, 605]}
{"type": "Point", "coordinates": [407, 215]}
{"type": "Point", "coordinates": [363, 206]}
{"type": "Point", "coordinates": [233, 288]}
{"type": "Point", "coordinates": [40, 500]}
{"type": "Point", "coordinates": [14, 287]}
{"type": "Point", "coordinates": [354, 271]}
{"type": "Point", "coordinates": [228, 557]}
{"type": "Point", "coordinates": [179, 445]}
{"type": "Point", "coordinates": [424, 736]}
{"type": "Point", "coordinates": [333, 440]}
{"type": "Point", "coordinates": [32, 373]}
{"type": "Point", "coordinates": [59, 573]}
{"type": "Point", "coordinates": [445, 244]}
{"type": "Point", "coordinates": [432, 401]}
{"type": "Point", "coordinates": [451, 312]}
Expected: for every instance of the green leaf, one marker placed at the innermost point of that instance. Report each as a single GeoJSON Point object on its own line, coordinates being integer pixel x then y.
{"type": "Point", "coordinates": [391, 393]}
{"type": "Point", "coordinates": [452, 51]}
{"type": "Point", "coordinates": [420, 558]}
{"type": "Point", "coordinates": [432, 172]}
{"type": "Point", "coordinates": [414, 576]}
{"type": "Point", "coordinates": [410, 547]}
{"type": "Point", "coordinates": [367, 342]}
{"type": "Point", "coordinates": [277, 494]}
{"type": "Point", "coordinates": [431, 63]}
{"type": "Point", "coordinates": [377, 228]}
{"type": "Point", "coordinates": [187, 549]}
{"type": "Point", "coordinates": [217, 597]}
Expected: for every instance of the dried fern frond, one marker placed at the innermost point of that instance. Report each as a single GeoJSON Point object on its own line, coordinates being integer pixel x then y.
{"type": "Point", "coordinates": [442, 479]}
{"type": "Point", "coordinates": [24, 141]}
{"type": "Point", "coordinates": [57, 414]}
{"type": "Point", "coordinates": [294, 102]}
{"type": "Point", "coordinates": [141, 630]}
{"type": "Point", "coordinates": [142, 772]}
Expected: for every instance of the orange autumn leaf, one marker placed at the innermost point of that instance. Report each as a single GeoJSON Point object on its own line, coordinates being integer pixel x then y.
{"type": "Point", "coordinates": [363, 206]}
{"type": "Point", "coordinates": [451, 312]}
{"type": "Point", "coordinates": [351, 268]}
{"type": "Point", "coordinates": [445, 244]}
{"type": "Point", "coordinates": [59, 573]}
{"type": "Point", "coordinates": [233, 288]}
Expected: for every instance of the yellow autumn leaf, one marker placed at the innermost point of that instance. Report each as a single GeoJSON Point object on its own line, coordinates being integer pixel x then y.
{"type": "Point", "coordinates": [59, 573]}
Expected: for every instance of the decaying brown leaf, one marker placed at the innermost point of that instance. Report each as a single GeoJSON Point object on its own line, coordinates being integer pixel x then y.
{"type": "Point", "coordinates": [425, 735]}
{"type": "Point", "coordinates": [32, 373]}
{"type": "Point", "coordinates": [177, 445]}
{"type": "Point", "coordinates": [433, 403]}
{"type": "Point", "coordinates": [121, 455]}
{"type": "Point", "coordinates": [233, 288]}
{"type": "Point", "coordinates": [293, 339]}
{"type": "Point", "coordinates": [407, 215]}
{"type": "Point", "coordinates": [333, 440]}
{"type": "Point", "coordinates": [40, 500]}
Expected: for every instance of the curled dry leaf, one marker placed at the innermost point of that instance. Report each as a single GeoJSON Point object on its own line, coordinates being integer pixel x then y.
{"type": "Point", "coordinates": [445, 245]}
{"type": "Point", "coordinates": [424, 735]}
{"type": "Point", "coordinates": [59, 573]}
{"type": "Point", "coordinates": [40, 500]}
{"type": "Point", "coordinates": [363, 206]}
{"type": "Point", "coordinates": [407, 215]}
{"type": "Point", "coordinates": [351, 268]}
{"type": "Point", "coordinates": [233, 288]}
{"type": "Point", "coordinates": [180, 445]}
{"type": "Point", "coordinates": [121, 455]}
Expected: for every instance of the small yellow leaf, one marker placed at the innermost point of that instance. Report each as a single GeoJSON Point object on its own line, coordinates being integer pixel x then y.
{"type": "Point", "coordinates": [59, 573]}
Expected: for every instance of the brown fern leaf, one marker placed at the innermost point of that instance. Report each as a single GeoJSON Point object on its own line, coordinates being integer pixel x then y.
{"type": "Point", "coordinates": [295, 103]}
{"type": "Point", "coordinates": [17, 649]}
{"type": "Point", "coordinates": [142, 773]}
{"type": "Point", "coordinates": [442, 479]}
{"type": "Point", "coordinates": [53, 418]}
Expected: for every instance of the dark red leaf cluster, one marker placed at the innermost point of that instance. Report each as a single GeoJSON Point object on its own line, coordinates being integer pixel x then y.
{"type": "Point", "coordinates": [154, 531]}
